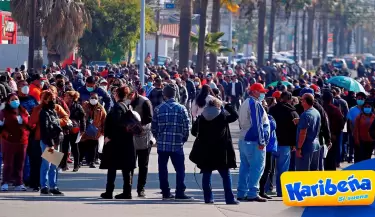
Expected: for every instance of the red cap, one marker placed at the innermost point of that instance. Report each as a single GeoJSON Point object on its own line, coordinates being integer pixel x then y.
{"type": "Point", "coordinates": [315, 87]}
{"type": "Point", "coordinates": [219, 74]}
{"type": "Point", "coordinates": [276, 94]}
{"type": "Point", "coordinates": [258, 87]}
{"type": "Point", "coordinates": [8, 69]}
{"type": "Point", "coordinates": [176, 75]}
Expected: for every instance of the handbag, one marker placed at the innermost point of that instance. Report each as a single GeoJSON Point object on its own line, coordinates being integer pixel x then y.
{"type": "Point", "coordinates": [194, 155]}
{"type": "Point", "coordinates": [132, 123]}
{"type": "Point", "coordinates": [91, 130]}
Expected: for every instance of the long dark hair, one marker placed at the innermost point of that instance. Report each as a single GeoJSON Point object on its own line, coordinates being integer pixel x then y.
{"type": "Point", "coordinates": [201, 98]}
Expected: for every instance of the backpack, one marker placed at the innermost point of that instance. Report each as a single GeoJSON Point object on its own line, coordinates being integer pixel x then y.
{"type": "Point", "coordinates": [132, 121]}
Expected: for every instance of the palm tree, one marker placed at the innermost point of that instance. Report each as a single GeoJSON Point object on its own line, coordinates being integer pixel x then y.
{"type": "Point", "coordinates": [62, 24]}
{"type": "Point", "coordinates": [202, 33]}
{"type": "Point", "coordinates": [184, 32]}
{"type": "Point", "coordinates": [310, 32]}
{"type": "Point", "coordinates": [274, 4]}
{"type": "Point", "coordinates": [261, 26]}
{"type": "Point", "coordinates": [212, 43]}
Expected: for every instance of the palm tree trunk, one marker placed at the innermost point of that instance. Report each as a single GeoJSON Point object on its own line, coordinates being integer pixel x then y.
{"type": "Point", "coordinates": [303, 56]}
{"type": "Point", "coordinates": [349, 41]}
{"type": "Point", "coordinates": [215, 27]}
{"type": "Point", "coordinates": [272, 29]}
{"type": "Point", "coordinates": [310, 35]}
{"type": "Point", "coordinates": [325, 36]}
{"type": "Point", "coordinates": [319, 36]}
{"type": "Point", "coordinates": [295, 36]}
{"type": "Point", "coordinates": [261, 25]}
{"type": "Point", "coordinates": [184, 32]}
{"type": "Point", "coordinates": [202, 35]}
{"type": "Point", "coordinates": [38, 42]}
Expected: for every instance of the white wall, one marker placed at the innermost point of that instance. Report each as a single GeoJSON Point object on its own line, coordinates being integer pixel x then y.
{"type": "Point", "coordinates": [166, 46]}
{"type": "Point", "coordinates": [14, 55]}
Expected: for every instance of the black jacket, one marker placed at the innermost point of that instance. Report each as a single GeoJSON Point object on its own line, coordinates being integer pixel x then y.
{"type": "Point", "coordinates": [77, 116]}
{"type": "Point", "coordinates": [49, 126]}
{"type": "Point", "coordinates": [214, 152]}
{"type": "Point", "coordinates": [238, 88]}
{"type": "Point", "coordinates": [119, 152]}
{"type": "Point", "coordinates": [190, 89]}
{"type": "Point", "coordinates": [284, 113]}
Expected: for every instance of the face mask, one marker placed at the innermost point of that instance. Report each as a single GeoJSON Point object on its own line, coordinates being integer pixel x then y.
{"type": "Point", "coordinates": [367, 110]}
{"type": "Point", "coordinates": [41, 84]}
{"type": "Point", "coordinates": [104, 87]}
{"type": "Point", "coordinates": [2, 106]}
{"type": "Point", "coordinates": [93, 101]}
{"type": "Point", "coordinates": [51, 104]}
{"type": "Point", "coordinates": [90, 89]}
{"type": "Point", "coordinates": [128, 101]}
{"type": "Point", "coordinates": [149, 83]}
{"type": "Point", "coordinates": [14, 104]}
{"type": "Point", "coordinates": [261, 97]}
{"type": "Point", "coordinates": [360, 102]}
{"type": "Point", "coordinates": [25, 90]}
{"type": "Point", "coordinates": [60, 84]}
{"type": "Point", "coordinates": [196, 83]}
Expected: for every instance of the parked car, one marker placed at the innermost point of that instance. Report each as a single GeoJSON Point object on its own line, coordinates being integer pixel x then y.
{"type": "Point", "coordinates": [161, 60]}
{"type": "Point", "coordinates": [339, 63]}
{"type": "Point", "coordinates": [367, 61]}
{"type": "Point", "coordinates": [351, 61]}
{"type": "Point", "coordinates": [101, 64]}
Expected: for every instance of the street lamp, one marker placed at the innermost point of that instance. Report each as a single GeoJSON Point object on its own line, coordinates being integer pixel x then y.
{"type": "Point", "coordinates": [142, 44]}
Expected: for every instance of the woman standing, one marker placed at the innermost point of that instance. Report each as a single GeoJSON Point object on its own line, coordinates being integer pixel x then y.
{"type": "Point", "coordinates": [95, 118]}
{"type": "Point", "coordinates": [215, 153]}
{"type": "Point", "coordinates": [203, 98]}
{"type": "Point", "coordinates": [364, 144]}
{"type": "Point", "coordinates": [77, 116]}
{"type": "Point", "coordinates": [119, 151]}
{"type": "Point", "coordinates": [15, 135]}
{"type": "Point", "coordinates": [51, 120]}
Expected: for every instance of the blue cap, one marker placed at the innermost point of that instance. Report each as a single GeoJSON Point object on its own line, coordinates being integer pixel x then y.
{"type": "Point", "coordinates": [306, 90]}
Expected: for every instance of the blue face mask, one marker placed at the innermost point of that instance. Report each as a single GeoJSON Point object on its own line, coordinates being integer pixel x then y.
{"type": "Point", "coordinates": [360, 102]}
{"type": "Point", "coordinates": [367, 110]}
{"type": "Point", "coordinates": [149, 83]}
{"type": "Point", "coordinates": [14, 104]}
{"type": "Point", "coordinates": [262, 96]}
{"type": "Point", "coordinates": [90, 89]}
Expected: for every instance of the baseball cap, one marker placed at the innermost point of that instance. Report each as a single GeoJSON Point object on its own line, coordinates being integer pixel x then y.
{"type": "Point", "coordinates": [219, 74]}
{"type": "Point", "coordinates": [258, 87]}
{"type": "Point", "coordinates": [315, 87]}
{"type": "Point", "coordinates": [306, 90]}
{"type": "Point", "coordinates": [277, 94]}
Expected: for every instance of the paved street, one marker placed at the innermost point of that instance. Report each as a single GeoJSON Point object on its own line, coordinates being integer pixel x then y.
{"type": "Point", "coordinates": [82, 190]}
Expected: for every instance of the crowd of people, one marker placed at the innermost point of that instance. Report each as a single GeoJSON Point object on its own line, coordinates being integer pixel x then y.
{"type": "Point", "coordinates": [305, 125]}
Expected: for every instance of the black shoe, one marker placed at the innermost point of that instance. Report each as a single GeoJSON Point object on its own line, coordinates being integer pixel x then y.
{"type": "Point", "coordinates": [257, 199]}
{"type": "Point", "coordinates": [76, 169]}
{"type": "Point", "coordinates": [141, 194]}
{"type": "Point", "coordinates": [184, 197]}
{"type": "Point", "coordinates": [45, 192]}
{"type": "Point", "coordinates": [56, 192]}
{"type": "Point", "coordinates": [65, 169]}
{"type": "Point", "coordinates": [209, 202]}
{"type": "Point", "coordinates": [266, 196]}
{"type": "Point", "coordinates": [107, 196]}
{"type": "Point", "coordinates": [234, 202]}
{"type": "Point", "coordinates": [242, 199]}
{"type": "Point", "coordinates": [168, 197]}
{"type": "Point", "coordinates": [92, 165]}
{"type": "Point", "coordinates": [36, 189]}
{"type": "Point", "coordinates": [123, 196]}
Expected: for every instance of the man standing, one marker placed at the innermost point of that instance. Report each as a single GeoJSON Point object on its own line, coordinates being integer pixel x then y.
{"type": "Point", "coordinates": [91, 87]}
{"type": "Point", "coordinates": [170, 126]}
{"type": "Point", "coordinates": [254, 136]}
{"type": "Point", "coordinates": [36, 86]}
{"type": "Point", "coordinates": [307, 154]}
{"type": "Point", "coordinates": [183, 92]}
{"type": "Point", "coordinates": [234, 92]}
{"type": "Point", "coordinates": [142, 142]}
{"type": "Point", "coordinates": [190, 87]}
{"type": "Point", "coordinates": [156, 95]}
{"type": "Point", "coordinates": [284, 114]}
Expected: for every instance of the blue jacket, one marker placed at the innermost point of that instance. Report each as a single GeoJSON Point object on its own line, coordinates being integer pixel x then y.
{"type": "Point", "coordinates": [78, 83]}
{"type": "Point", "coordinates": [103, 96]}
{"type": "Point", "coordinates": [259, 130]}
{"type": "Point", "coordinates": [272, 144]}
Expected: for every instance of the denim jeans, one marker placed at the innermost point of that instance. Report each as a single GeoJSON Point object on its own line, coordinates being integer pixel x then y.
{"type": "Point", "coordinates": [1, 162]}
{"type": "Point", "coordinates": [48, 172]}
{"type": "Point", "coordinates": [292, 164]}
{"type": "Point", "coordinates": [321, 158]}
{"type": "Point", "coordinates": [252, 165]}
{"type": "Point", "coordinates": [178, 161]}
{"type": "Point", "coordinates": [227, 184]}
{"type": "Point", "coordinates": [282, 165]}
{"type": "Point", "coordinates": [26, 170]}
{"type": "Point", "coordinates": [308, 161]}
{"type": "Point", "coordinates": [351, 148]}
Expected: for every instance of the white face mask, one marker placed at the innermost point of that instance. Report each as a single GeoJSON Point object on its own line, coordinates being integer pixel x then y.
{"type": "Point", "coordinates": [2, 106]}
{"type": "Point", "coordinates": [104, 87]}
{"type": "Point", "coordinates": [25, 90]}
{"type": "Point", "coordinates": [128, 101]}
{"type": "Point", "coordinates": [93, 101]}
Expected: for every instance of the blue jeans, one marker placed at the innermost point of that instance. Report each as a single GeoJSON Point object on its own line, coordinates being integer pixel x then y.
{"type": "Point", "coordinates": [339, 148]}
{"type": "Point", "coordinates": [321, 158]}
{"type": "Point", "coordinates": [26, 169]}
{"type": "Point", "coordinates": [308, 161]}
{"type": "Point", "coordinates": [227, 183]}
{"type": "Point", "coordinates": [178, 161]}
{"type": "Point", "coordinates": [292, 164]}
{"type": "Point", "coordinates": [351, 148]}
{"type": "Point", "coordinates": [1, 162]}
{"type": "Point", "coordinates": [282, 165]}
{"type": "Point", "coordinates": [48, 172]}
{"type": "Point", "coordinates": [252, 165]}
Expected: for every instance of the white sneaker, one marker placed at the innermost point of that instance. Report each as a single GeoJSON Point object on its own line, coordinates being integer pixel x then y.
{"type": "Point", "coordinates": [4, 187]}
{"type": "Point", "coordinates": [20, 188]}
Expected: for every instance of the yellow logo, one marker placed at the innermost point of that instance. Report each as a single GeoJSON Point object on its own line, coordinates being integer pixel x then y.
{"type": "Point", "coordinates": [329, 188]}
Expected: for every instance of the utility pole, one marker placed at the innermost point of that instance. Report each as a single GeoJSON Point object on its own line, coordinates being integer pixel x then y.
{"type": "Point", "coordinates": [230, 38]}
{"type": "Point", "coordinates": [142, 43]}
{"type": "Point", "coordinates": [38, 43]}
{"type": "Point", "coordinates": [30, 61]}
{"type": "Point", "coordinates": [295, 36]}
{"type": "Point", "coordinates": [156, 57]}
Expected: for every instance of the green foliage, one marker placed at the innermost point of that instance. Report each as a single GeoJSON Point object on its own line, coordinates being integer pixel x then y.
{"type": "Point", "coordinates": [115, 29]}
{"type": "Point", "coordinates": [212, 43]}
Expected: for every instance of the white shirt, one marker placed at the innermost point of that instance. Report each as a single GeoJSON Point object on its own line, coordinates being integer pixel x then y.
{"type": "Point", "coordinates": [196, 110]}
{"type": "Point", "coordinates": [234, 88]}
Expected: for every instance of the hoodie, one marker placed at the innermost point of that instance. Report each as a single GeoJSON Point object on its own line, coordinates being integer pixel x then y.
{"type": "Point", "coordinates": [284, 113]}
{"type": "Point", "coordinates": [210, 113]}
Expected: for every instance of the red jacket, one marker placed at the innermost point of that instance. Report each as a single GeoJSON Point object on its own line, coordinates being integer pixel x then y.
{"type": "Point", "coordinates": [13, 132]}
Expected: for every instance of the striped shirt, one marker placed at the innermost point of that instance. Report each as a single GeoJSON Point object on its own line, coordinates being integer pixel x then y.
{"type": "Point", "coordinates": [170, 126]}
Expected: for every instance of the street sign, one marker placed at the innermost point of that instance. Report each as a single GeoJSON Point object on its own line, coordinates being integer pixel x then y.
{"type": "Point", "coordinates": [169, 5]}
{"type": "Point", "coordinates": [4, 5]}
